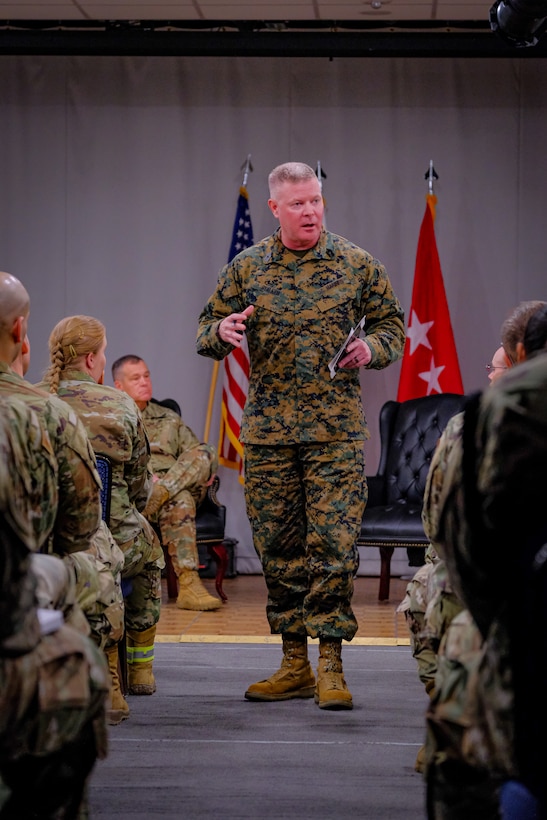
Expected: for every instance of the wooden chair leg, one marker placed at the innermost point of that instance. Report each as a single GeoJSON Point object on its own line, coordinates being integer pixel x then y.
{"type": "Point", "coordinates": [220, 554]}
{"type": "Point", "coordinates": [171, 576]}
{"type": "Point", "coordinates": [385, 572]}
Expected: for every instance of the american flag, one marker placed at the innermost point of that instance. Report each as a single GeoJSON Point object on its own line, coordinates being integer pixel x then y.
{"type": "Point", "coordinates": [236, 365]}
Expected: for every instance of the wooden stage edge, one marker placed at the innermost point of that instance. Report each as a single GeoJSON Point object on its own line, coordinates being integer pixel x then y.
{"type": "Point", "coordinates": [242, 619]}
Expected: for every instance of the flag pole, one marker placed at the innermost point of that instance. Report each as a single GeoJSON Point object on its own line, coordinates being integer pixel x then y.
{"type": "Point", "coordinates": [246, 168]}
{"type": "Point", "coordinates": [430, 175]}
{"type": "Point", "coordinates": [212, 391]}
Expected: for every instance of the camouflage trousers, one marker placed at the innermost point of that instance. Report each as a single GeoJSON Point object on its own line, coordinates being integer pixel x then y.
{"type": "Point", "coordinates": [141, 578]}
{"type": "Point", "coordinates": [98, 586]}
{"type": "Point", "coordinates": [469, 724]}
{"type": "Point", "coordinates": [186, 483]}
{"type": "Point", "coordinates": [305, 503]}
{"type": "Point", "coordinates": [429, 606]}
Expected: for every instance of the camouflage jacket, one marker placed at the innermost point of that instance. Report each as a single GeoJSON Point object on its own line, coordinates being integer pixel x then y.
{"type": "Point", "coordinates": [168, 435]}
{"type": "Point", "coordinates": [115, 429]}
{"type": "Point", "coordinates": [28, 507]}
{"type": "Point", "coordinates": [79, 510]}
{"type": "Point", "coordinates": [304, 309]}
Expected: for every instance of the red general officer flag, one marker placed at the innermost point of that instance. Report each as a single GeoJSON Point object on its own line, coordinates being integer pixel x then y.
{"type": "Point", "coordinates": [430, 360]}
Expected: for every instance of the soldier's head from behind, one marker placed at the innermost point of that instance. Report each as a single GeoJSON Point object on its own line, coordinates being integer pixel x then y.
{"type": "Point", "coordinates": [535, 335]}
{"type": "Point", "coordinates": [76, 343]}
{"type": "Point", "coordinates": [131, 374]}
{"type": "Point", "coordinates": [14, 313]}
{"type": "Point", "coordinates": [514, 327]}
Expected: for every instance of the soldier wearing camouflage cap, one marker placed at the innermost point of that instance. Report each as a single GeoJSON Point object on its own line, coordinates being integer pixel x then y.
{"type": "Point", "coordinates": [53, 679]}
{"type": "Point", "coordinates": [296, 295]}
{"type": "Point", "coordinates": [183, 469]}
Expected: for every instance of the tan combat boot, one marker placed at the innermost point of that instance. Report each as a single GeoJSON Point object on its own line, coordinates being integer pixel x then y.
{"type": "Point", "coordinates": [118, 709]}
{"type": "Point", "coordinates": [157, 499]}
{"type": "Point", "coordinates": [192, 593]}
{"type": "Point", "coordinates": [420, 764]}
{"type": "Point", "coordinates": [140, 657]}
{"type": "Point", "coordinates": [294, 679]}
{"type": "Point", "coordinates": [331, 691]}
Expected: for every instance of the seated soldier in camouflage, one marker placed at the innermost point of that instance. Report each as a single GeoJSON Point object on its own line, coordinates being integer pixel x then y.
{"type": "Point", "coordinates": [430, 602]}
{"type": "Point", "coordinates": [78, 535]}
{"type": "Point", "coordinates": [77, 347]}
{"type": "Point", "coordinates": [472, 720]}
{"type": "Point", "coordinates": [183, 468]}
{"type": "Point", "coordinates": [53, 680]}
{"type": "Point", "coordinates": [96, 570]}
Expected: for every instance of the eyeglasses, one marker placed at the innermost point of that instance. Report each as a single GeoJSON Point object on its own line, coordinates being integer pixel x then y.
{"type": "Point", "coordinates": [491, 367]}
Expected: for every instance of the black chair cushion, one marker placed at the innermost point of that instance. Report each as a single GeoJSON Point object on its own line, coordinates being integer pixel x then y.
{"type": "Point", "coordinates": [389, 523]}
{"type": "Point", "coordinates": [210, 519]}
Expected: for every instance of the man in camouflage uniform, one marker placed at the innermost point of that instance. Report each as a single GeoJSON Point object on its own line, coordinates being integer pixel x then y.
{"type": "Point", "coordinates": [77, 352]}
{"type": "Point", "coordinates": [53, 679]}
{"type": "Point", "coordinates": [183, 468]}
{"type": "Point", "coordinates": [296, 295]}
{"type": "Point", "coordinates": [78, 535]}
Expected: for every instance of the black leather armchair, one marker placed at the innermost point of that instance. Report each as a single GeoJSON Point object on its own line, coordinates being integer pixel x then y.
{"type": "Point", "coordinates": [409, 432]}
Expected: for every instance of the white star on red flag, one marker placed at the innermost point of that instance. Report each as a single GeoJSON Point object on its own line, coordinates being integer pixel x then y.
{"type": "Point", "coordinates": [431, 377]}
{"type": "Point", "coordinates": [417, 332]}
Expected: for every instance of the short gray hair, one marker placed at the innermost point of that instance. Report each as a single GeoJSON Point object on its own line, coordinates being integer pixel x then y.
{"type": "Point", "coordinates": [289, 172]}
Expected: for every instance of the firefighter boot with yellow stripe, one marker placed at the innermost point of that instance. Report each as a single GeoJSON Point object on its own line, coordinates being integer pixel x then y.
{"type": "Point", "coordinates": [140, 658]}
{"type": "Point", "coordinates": [294, 679]}
{"type": "Point", "coordinates": [331, 691]}
{"type": "Point", "coordinates": [118, 709]}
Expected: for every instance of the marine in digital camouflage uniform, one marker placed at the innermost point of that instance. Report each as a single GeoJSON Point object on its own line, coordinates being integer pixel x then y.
{"type": "Point", "coordinates": [296, 295]}
{"type": "Point", "coordinates": [182, 468]}
{"type": "Point", "coordinates": [53, 684]}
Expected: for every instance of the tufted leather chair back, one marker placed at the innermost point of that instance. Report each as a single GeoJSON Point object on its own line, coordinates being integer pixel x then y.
{"type": "Point", "coordinates": [409, 432]}
{"type": "Point", "coordinates": [412, 430]}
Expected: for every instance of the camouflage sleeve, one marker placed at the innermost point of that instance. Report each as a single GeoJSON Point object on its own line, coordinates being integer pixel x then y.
{"type": "Point", "coordinates": [226, 299]}
{"type": "Point", "coordinates": [187, 439]}
{"type": "Point", "coordinates": [79, 513]}
{"type": "Point", "coordinates": [437, 484]}
{"type": "Point", "coordinates": [137, 474]}
{"type": "Point", "coordinates": [385, 329]}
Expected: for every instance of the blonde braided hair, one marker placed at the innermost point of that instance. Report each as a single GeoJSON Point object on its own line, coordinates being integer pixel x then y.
{"type": "Point", "coordinates": [70, 341]}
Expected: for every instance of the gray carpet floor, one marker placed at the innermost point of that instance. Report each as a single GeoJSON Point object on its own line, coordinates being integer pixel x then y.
{"type": "Point", "coordinates": [198, 749]}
